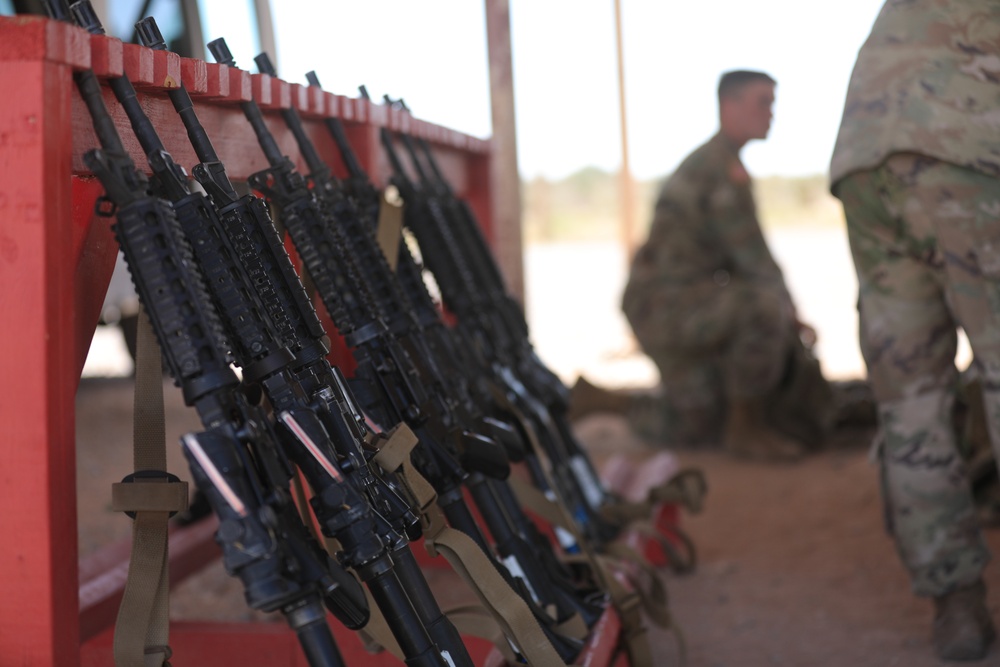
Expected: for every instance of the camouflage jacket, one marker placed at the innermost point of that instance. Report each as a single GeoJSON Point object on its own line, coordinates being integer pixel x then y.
{"type": "Point", "coordinates": [927, 81]}
{"type": "Point", "coordinates": [704, 234]}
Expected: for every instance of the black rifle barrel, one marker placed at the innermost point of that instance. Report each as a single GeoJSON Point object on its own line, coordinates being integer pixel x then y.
{"type": "Point", "coordinates": [476, 456]}
{"type": "Point", "coordinates": [336, 128]}
{"type": "Point", "coordinates": [266, 273]}
{"type": "Point", "coordinates": [376, 270]}
{"type": "Point", "coordinates": [188, 329]}
{"type": "Point", "coordinates": [291, 117]}
{"type": "Point", "coordinates": [269, 274]}
{"type": "Point", "coordinates": [305, 222]}
{"type": "Point", "coordinates": [220, 51]}
{"type": "Point", "coordinates": [149, 35]}
{"type": "Point", "coordinates": [344, 214]}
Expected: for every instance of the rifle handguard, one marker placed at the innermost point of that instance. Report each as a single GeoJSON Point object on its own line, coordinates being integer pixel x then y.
{"type": "Point", "coordinates": [160, 263]}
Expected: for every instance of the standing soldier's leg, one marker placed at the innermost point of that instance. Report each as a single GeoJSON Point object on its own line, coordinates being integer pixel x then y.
{"type": "Point", "coordinates": [966, 207]}
{"type": "Point", "coordinates": [908, 341]}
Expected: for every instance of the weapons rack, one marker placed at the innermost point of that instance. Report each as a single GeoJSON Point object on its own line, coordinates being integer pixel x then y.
{"type": "Point", "coordinates": [56, 259]}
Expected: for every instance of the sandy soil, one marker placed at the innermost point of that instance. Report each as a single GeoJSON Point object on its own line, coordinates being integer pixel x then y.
{"type": "Point", "coordinates": [795, 568]}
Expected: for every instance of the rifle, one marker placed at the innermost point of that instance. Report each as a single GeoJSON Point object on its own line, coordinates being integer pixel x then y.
{"type": "Point", "coordinates": [515, 535]}
{"type": "Point", "coordinates": [541, 380]}
{"type": "Point", "coordinates": [382, 312]}
{"type": "Point", "coordinates": [265, 307]}
{"type": "Point", "coordinates": [388, 380]}
{"type": "Point", "coordinates": [392, 391]}
{"type": "Point", "coordinates": [453, 358]}
{"type": "Point", "coordinates": [275, 560]}
{"type": "Point", "coordinates": [470, 236]}
{"type": "Point", "coordinates": [451, 391]}
{"type": "Point", "coordinates": [466, 293]}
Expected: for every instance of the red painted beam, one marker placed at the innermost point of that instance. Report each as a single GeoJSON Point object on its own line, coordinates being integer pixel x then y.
{"type": "Point", "coordinates": [601, 650]}
{"type": "Point", "coordinates": [38, 624]}
{"type": "Point", "coordinates": [94, 250]}
{"type": "Point", "coordinates": [255, 645]}
{"type": "Point", "coordinates": [55, 261]}
{"type": "Point", "coordinates": [604, 641]}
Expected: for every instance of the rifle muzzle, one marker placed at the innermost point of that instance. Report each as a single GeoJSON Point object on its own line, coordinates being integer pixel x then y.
{"type": "Point", "coordinates": [149, 33]}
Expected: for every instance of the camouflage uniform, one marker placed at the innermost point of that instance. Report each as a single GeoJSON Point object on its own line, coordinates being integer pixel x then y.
{"type": "Point", "coordinates": [916, 166]}
{"type": "Point", "coordinates": [705, 298]}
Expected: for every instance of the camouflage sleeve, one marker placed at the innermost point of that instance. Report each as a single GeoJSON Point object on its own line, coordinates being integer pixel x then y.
{"type": "Point", "coordinates": [733, 215]}
{"type": "Point", "coordinates": [926, 81]}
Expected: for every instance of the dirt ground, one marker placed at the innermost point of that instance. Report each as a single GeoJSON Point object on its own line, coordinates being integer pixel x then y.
{"type": "Point", "coordinates": [794, 566]}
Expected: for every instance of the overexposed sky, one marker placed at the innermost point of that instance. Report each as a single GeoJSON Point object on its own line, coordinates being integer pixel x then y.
{"type": "Point", "coordinates": [434, 54]}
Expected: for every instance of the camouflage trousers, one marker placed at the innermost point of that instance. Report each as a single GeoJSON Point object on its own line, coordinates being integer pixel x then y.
{"type": "Point", "coordinates": [710, 343]}
{"type": "Point", "coordinates": [925, 237]}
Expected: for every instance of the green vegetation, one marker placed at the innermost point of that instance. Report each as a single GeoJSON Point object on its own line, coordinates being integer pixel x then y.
{"type": "Point", "coordinates": [803, 200]}
{"type": "Point", "coordinates": [585, 206]}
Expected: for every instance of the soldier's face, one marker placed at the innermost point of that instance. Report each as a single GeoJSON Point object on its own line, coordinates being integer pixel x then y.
{"type": "Point", "coordinates": [747, 114]}
{"type": "Point", "coordinates": [757, 103]}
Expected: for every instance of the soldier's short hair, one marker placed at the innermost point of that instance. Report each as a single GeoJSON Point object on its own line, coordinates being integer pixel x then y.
{"type": "Point", "coordinates": [730, 83]}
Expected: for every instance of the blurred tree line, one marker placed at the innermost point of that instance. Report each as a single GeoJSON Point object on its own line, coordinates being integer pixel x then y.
{"type": "Point", "coordinates": [584, 206]}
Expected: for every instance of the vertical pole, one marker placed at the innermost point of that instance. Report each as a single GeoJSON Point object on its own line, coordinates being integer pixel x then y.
{"type": "Point", "coordinates": [505, 183]}
{"type": "Point", "coordinates": [193, 28]}
{"type": "Point", "coordinates": [265, 28]}
{"type": "Point", "coordinates": [39, 608]}
{"type": "Point", "coordinates": [626, 186]}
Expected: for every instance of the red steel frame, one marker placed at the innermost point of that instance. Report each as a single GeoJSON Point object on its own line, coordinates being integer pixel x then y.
{"type": "Point", "coordinates": [56, 259]}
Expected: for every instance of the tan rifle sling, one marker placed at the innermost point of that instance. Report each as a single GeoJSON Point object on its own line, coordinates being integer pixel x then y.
{"type": "Point", "coordinates": [389, 233]}
{"type": "Point", "coordinates": [627, 600]}
{"type": "Point", "coordinates": [502, 614]}
{"type": "Point", "coordinates": [142, 629]}
{"type": "Point", "coordinates": [506, 615]}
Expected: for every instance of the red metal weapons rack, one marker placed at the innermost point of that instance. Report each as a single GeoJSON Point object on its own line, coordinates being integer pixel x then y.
{"type": "Point", "coordinates": [56, 259]}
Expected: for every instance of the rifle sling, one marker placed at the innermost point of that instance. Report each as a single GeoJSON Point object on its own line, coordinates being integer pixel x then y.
{"type": "Point", "coordinates": [476, 621]}
{"type": "Point", "coordinates": [628, 600]}
{"type": "Point", "coordinates": [469, 620]}
{"type": "Point", "coordinates": [655, 602]}
{"type": "Point", "coordinates": [687, 488]}
{"type": "Point", "coordinates": [676, 545]}
{"type": "Point", "coordinates": [389, 232]}
{"type": "Point", "coordinates": [143, 625]}
{"type": "Point", "coordinates": [506, 608]}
